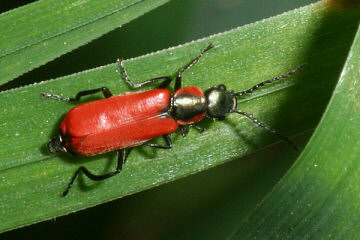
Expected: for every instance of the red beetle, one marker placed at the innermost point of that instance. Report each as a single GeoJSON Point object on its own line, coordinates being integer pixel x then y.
{"type": "Point", "coordinates": [124, 121]}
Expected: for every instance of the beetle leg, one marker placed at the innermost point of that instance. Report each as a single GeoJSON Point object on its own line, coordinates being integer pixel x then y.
{"type": "Point", "coordinates": [166, 79]}
{"type": "Point", "coordinates": [187, 67]}
{"type": "Point", "coordinates": [167, 140]}
{"type": "Point", "coordinates": [165, 83]}
{"type": "Point", "coordinates": [200, 129]}
{"type": "Point", "coordinates": [122, 156]}
{"type": "Point", "coordinates": [104, 90]}
{"type": "Point", "coordinates": [184, 130]}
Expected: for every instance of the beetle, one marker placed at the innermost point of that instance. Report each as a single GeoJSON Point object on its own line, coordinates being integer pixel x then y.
{"type": "Point", "coordinates": [121, 122]}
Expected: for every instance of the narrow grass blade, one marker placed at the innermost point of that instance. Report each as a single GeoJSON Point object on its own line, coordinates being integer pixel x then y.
{"type": "Point", "coordinates": [31, 179]}
{"type": "Point", "coordinates": [319, 196]}
{"type": "Point", "coordinates": [42, 31]}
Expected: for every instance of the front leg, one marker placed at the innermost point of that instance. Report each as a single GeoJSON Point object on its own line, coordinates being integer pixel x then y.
{"type": "Point", "coordinates": [189, 65]}
{"type": "Point", "coordinates": [184, 129]}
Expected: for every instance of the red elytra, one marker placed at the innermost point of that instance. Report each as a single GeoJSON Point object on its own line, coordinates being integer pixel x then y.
{"type": "Point", "coordinates": [124, 121]}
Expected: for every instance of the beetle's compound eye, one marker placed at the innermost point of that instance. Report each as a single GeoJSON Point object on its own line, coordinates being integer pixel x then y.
{"type": "Point", "coordinates": [222, 87]}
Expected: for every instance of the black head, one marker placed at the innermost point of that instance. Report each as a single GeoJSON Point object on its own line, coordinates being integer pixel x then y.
{"type": "Point", "coordinates": [220, 102]}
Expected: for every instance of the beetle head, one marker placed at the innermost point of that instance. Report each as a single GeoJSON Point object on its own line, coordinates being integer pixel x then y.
{"type": "Point", "coordinates": [220, 102]}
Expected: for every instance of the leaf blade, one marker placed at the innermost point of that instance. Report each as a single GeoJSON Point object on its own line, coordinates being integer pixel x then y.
{"type": "Point", "coordinates": [50, 29]}
{"type": "Point", "coordinates": [318, 197]}
{"type": "Point", "coordinates": [35, 179]}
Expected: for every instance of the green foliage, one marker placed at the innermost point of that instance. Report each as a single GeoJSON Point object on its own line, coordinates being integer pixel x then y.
{"type": "Point", "coordinates": [319, 196]}
{"type": "Point", "coordinates": [40, 32]}
{"type": "Point", "coordinates": [32, 179]}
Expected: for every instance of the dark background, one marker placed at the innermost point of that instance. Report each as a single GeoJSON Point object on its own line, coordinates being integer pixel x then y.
{"type": "Point", "coordinates": [208, 205]}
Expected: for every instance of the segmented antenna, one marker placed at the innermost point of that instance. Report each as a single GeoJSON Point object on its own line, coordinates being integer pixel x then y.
{"type": "Point", "coordinates": [257, 86]}
{"type": "Point", "coordinates": [262, 125]}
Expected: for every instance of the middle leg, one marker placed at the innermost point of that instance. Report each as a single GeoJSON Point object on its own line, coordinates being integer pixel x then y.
{"type": "Point", "coordinates": [166, 79]}
{"type": "Point", "coordinates": [167, 140]}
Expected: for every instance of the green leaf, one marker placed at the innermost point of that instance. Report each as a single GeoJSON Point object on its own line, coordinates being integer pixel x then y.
{"type": "Point", "coordinates": [32, 179]}
{"type": "Point", "coordinates": [319, 196]}
{"type": "Point", "coordinates": [40, 32]}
